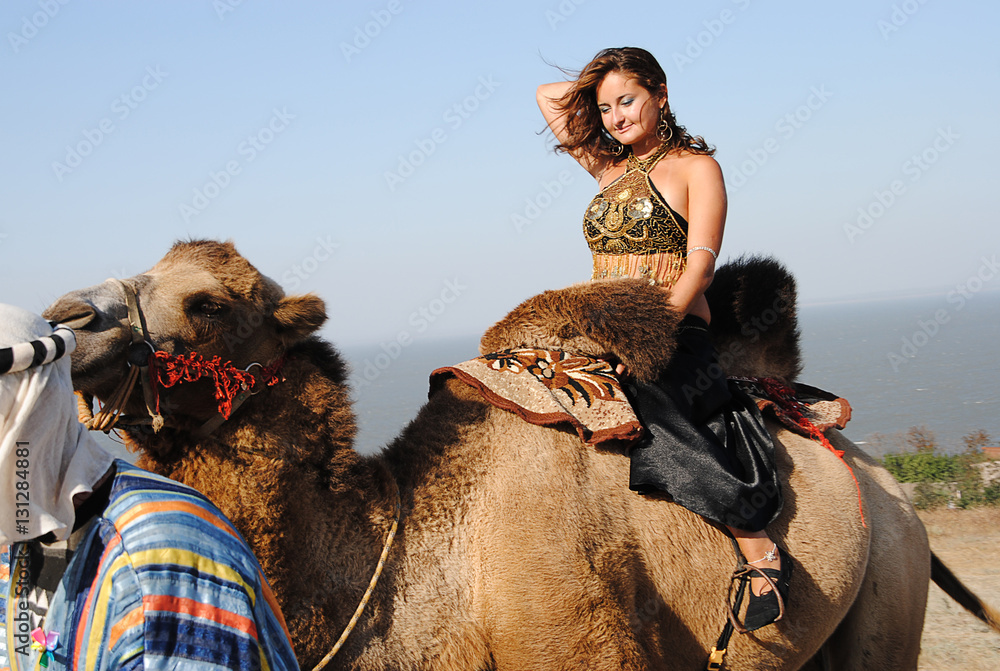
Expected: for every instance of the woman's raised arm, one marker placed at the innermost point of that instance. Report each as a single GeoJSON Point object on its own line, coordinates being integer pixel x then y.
{"type": "Point", "coordinates": [547, 96]}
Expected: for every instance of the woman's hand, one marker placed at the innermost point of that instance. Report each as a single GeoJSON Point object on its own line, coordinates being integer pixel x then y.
{"type": "Point", "coordinates": [547, 96]}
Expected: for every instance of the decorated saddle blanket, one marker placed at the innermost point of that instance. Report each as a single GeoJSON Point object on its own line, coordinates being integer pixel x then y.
{"type": "Point", "coordinates": [551, 387]}
{"type": "Point", "coordinates": [548, 387]}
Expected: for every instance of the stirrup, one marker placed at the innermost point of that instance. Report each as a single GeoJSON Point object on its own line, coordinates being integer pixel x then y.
{"type": "Point", "coordinates": [773, 577]}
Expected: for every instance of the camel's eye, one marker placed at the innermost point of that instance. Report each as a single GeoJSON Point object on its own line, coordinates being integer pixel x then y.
{"type": "Point", "coordinates": [208, 309]}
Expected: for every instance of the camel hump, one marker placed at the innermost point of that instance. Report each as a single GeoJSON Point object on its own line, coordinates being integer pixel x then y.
{"type": "Point", "coordinates": [755, 319]}
{"type": "Point", "coordinates": [754, 322]}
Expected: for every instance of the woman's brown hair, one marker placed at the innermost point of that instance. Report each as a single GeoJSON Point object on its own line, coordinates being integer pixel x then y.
{"type": "Point", "coordinates": [585, 132]}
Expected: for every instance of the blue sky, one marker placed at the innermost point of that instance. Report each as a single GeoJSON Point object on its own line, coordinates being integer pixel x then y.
{"type": "Point", "coordinates": [389, 155]}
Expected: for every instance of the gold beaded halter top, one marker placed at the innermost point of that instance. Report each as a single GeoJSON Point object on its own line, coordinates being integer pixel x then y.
{"type": "Point", "coordinates": [632, 231]}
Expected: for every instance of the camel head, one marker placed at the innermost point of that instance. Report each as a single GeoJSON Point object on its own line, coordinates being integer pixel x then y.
{"type": "Point", "coordinates": [627, 320]}
{"type": "Point", "coordinates": [201, 297]}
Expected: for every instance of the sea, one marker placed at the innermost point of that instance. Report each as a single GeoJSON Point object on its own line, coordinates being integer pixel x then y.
{"type": "Point", "coordinates": [930, 362]}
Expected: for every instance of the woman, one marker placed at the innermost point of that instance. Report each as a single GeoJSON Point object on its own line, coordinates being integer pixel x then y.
{"type": "Point", "coordinates": [660, 216]}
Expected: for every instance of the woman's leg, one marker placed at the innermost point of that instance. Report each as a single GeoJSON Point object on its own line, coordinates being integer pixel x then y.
{"type": "Point", "coordinates": [765, 606]}
{"type": "Point", "coordinates": [755, 545]}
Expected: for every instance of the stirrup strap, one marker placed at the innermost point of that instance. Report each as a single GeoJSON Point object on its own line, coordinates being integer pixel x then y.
{"type": "Point", "coordinates": [718, 654]}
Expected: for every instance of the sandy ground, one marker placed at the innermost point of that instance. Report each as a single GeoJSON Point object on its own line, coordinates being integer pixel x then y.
{"type": "Point", "coordinates": [968, 542]}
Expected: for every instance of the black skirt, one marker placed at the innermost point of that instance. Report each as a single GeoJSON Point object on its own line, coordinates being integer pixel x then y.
{"type": "Point", "coordinates": [706, 444]}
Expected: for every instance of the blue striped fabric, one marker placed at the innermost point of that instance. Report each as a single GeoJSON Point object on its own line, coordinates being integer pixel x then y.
{"type": "Point", "coordinates": [160, 581]}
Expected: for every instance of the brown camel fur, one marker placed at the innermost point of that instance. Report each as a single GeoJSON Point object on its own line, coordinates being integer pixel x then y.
{"type": "Point", "coordinates": [519, 548]}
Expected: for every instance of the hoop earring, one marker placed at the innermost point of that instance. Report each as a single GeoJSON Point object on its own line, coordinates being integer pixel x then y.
{"type": "Point", "coordinates": [617, 148]}
{"type": "Point", "coordinates": [663, 126]}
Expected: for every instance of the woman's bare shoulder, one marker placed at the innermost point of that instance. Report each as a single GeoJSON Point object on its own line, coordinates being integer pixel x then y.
{"type": "Point", "coordinates": [693, 161]}
{"type": "Point", "coordinates": [697, 167]}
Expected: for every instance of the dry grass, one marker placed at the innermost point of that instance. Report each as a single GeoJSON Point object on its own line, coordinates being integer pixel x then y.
{"type": "Point", "coordinates": [968, 542]}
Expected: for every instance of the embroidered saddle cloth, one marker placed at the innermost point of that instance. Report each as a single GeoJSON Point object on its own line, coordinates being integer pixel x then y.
{"type": "Point", "coordinates": [547, 387]}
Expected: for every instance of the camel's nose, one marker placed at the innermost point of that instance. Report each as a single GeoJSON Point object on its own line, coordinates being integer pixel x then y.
{"type": "Point", "coordinates": [72, 310]}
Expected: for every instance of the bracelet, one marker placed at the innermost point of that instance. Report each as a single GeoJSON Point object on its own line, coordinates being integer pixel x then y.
{"type": "Point", "coordinates": [707, 249]}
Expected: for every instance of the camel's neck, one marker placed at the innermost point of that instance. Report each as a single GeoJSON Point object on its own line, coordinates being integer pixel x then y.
{"type": "Point", "coordinates": [284, 471]}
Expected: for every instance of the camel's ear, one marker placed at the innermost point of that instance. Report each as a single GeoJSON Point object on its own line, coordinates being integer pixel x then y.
{"type": "Point", "coordinates": [299, 316]}
{"type": "Point", "coordinates": [624, 319]}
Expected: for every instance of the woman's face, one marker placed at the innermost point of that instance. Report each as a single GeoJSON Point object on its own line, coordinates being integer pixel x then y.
{"type": "Point", "coordinates": [629, 112]}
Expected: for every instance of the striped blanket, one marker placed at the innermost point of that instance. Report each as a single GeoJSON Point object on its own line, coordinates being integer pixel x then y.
{"type": "Point", "coordinates": [160, 580]}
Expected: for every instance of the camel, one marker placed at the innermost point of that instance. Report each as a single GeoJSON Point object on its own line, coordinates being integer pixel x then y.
{"type": "Point", "coordinates": [519, 547]}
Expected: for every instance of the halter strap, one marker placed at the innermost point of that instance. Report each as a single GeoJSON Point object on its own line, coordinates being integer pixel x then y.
{"type": "Point", "coordinates": [647, 164]}
{"type": "Point", "coordinates": [140, 340]}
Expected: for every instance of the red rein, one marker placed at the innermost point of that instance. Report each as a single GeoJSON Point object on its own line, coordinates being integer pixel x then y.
{"type": "Point", "coordinates": [167, 370]}
{"type": "Point", "coordinates": [784, 396]}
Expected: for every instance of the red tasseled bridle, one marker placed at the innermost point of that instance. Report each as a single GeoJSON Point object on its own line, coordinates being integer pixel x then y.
{"type": "Point", "coordinates": [168, 370]}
